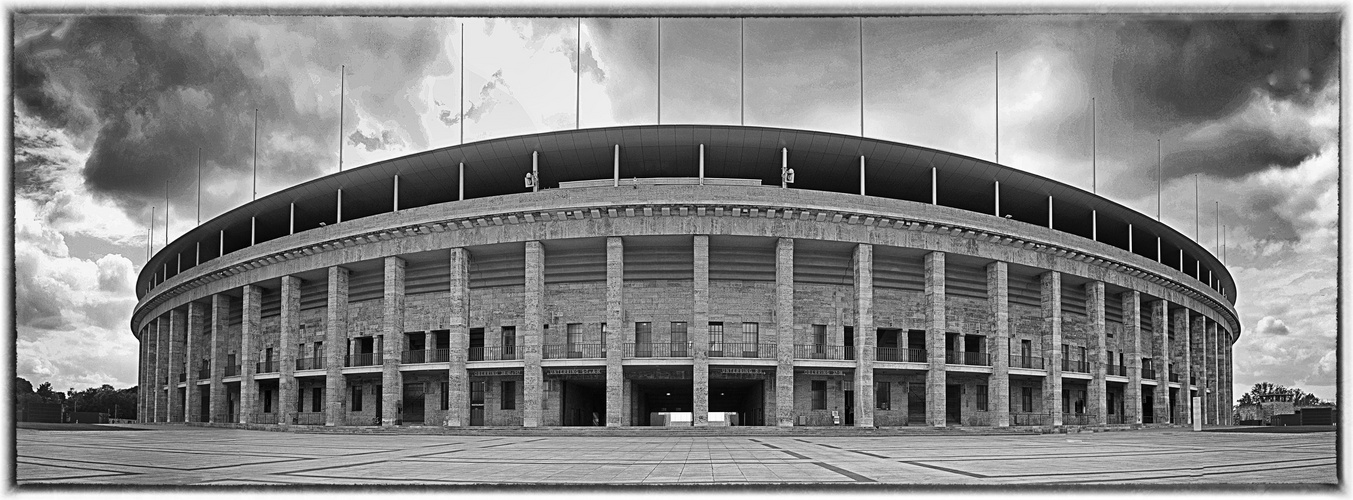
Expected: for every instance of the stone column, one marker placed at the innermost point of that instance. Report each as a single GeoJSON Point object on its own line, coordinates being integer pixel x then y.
{"type": "Point", "coordinates": [1212, 373]}
{"type": "Point", "coordinates": [616, 409]}
{"type": "Point", "coordinates": [1230, 381]}
{"type": "Point", "coordinates": [220, 312]}
{"type": "Point", "coordinates": [1183, 334]}
{"type": "Point", "coordinates": [193, 355]}
{"type": "Point", "coordinates": [249, 331]}
{"type": "Point", "coordinates": [784, 332]}
{"type": "Point", "coordinates": [178, 332]}
{"type": "Point", "coordinates": [142, 377]}
{"type": "Point", "coordinates": [290, 322]}
{"type": "Point", "coordinates": [162, 341]}
{"type": "Point", "coordinates": [1097, 390]}
{"type": "Point", "coordinates": [865, 336]}
{"type": "Point", "coordinates": [998, 304]}
{"type": "Point", "coordinates": [699, 330]}
{"type": "Point", "coordinates": [533, 393]}
{"type": "Point", "coordinates": [1198, 354]}
{"type": "Point", "coordinates": [392, 383]}
{"type": "Point", "coordinates": [1132, 336]}
{"type": "Point", "coordinates": [1050, 286]}
{"type": "Point", "coordinates": [458, 314]}
{"type": "Point", "coordinates": [336, 338]}
{"type": "Point", "coordinates": [935, 328]}
{"type": "Point", "coordinates": [1161, 359]}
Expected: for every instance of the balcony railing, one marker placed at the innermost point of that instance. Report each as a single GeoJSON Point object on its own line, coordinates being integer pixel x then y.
{"type": "Point", "coordinates": [1029, 418]}
{"type": "Point", "coordinates": [425, 356]}
{"type": "Point", "coordinates": [1075, 366]}
{"type": "Point", "coordinates": [308, 418]}
{"type": "Point", "coordinates": [266, 366]}
{"type": "Point", "coordinates": [232, 370]}
{"type": "Point", "coordinates": [1078, 418]}
{"type": "Point", "coordinates": [822, 351]}
{"type": "Point", "coordinates": [204, 373]}
{"type": "Point", "coordinates": [740, 350]}
{"type": "Point", "coordinates": [495, 353]}
{"type": "Point", "coordinates": [967, 358]}
{"type": "Point", "coordinates": [262, 417]}
{"type": "Point", "coordinates": [1148, 373]}
{"type": "Point", "coordinates": [1174, 377]}
{"type": "Point", "coordinates": [658, 350]}
{"type": "Point", "coordinates": [574, 351]}
{"type": "Point", "coordinates": [364, 359]}
{"type": "Point", "coordinates": [903, 355]}
{"type": "Point", "coordinates": [1118, 370]}
{"type": "Point", "coordinates": [1116, 418]}
{"type": "Point", "coordinates": [309, 363]}
{"type": "Point", "coordinates": [1031, 362]}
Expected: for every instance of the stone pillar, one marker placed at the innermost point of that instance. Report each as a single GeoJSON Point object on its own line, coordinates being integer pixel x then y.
{"type": "Point", "coordinates": [533, 393]}
{"type": "Point", "coordinates": [998, 304]}
{"type": "Point", "coordinates": [162, 341]}
{"type": "Point", "coordinates": [216, 401]}
{"type": "Point", "coordinates": [1132, 336]}
{"type": "Point", "coordinates": [1212, 375]}
{"type": "Point", "coordinates": [193, 354]}
{"type": "Point", "coordinates": [784, 332]}
{"type": "Point", "coordinates": [290, 322]}
{"type": "Point", "coordinates": [458, 378]}
{"type": "Point", "coordinates": [1230, 381]}
{"type": "Point", "coordinates": [178, 331]}
{"type": "Point", "coordinates": [336, 338]}
{"type": "Point", "coordinates": [1050, 286]}
{"type": "Point", "coordinates": [700, 331]}
{"type": "Point", "coordinates": [1198, 348]}
{"type": "Point", "coordinates": [140, 374]}
{"type": "Point", "coordinates": [1097, 390]}
{"type": "Point", "coordinates": [1161, 359]}
{"type": "Point", "coordinates": [865, 337]}
{"type": "Point", "coordinates": [1183, 333]}
{"type": "Point", "coordinates": [249, 331]}
{"type": "Point", "coordinates": [935, 328]}
{"type": "Point", "coordinates": [392, 386]}
{"type": "Point", "coordinates": [616, 407]}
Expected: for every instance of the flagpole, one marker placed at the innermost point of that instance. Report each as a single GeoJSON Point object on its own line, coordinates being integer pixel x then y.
{"type": "Point", "coordinates": [742, 72]}
{"type": "Point", "coordinates": [861, 77]}
{"type": "Point", "coordinates": [342, 87]}
{"type": "Point", "coordinates": [256, 153]}
{"type": "Point", "coordinates": [462, 83]}
{"type": "Point", "coordinates": [1157, 179]}
{"type": "Point", "coordinates": [997, 83]}
{"type": "Point", "coordinates": [166, 212]}
{"type": "Point", "coordinates": [578, 89]}
{"type": "Point", "coordinates": [199, 186]}
{"type": "Point", "coordinates": [659, 71]}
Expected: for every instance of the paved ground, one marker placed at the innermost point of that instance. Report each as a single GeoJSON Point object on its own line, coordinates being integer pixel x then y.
{"type": "Point", "coordinates": [176, 455]}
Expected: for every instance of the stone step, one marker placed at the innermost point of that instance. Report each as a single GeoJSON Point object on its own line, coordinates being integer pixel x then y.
{"type": "Point", "coordinates": [684, 431]}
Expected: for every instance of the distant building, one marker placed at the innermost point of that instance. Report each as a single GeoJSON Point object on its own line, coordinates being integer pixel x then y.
{"type": "Point", "coordinates": [1268, 405]}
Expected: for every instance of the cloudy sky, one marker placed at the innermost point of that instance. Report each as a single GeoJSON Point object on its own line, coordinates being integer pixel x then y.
{"type": "Point", "coordinates": [109, 109]}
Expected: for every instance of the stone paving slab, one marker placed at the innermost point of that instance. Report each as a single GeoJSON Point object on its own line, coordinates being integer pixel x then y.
{"type": "Point", "coordinates": [217, 457]}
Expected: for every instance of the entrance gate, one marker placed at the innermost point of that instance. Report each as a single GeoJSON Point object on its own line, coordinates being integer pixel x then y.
{"type": "Point", "coordinates": [413, 402]}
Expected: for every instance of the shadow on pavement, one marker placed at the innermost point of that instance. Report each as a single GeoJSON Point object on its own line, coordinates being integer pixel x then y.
{"type": "Point", "coordinates": [39, 426]}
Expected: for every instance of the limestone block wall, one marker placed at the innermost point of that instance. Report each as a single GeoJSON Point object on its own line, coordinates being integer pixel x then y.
{"type": "Point", "coordinates": [830, 305]}
{"type": "Point", "coordinates": [736, 302]}
{"type": "Point", "coordinates": [660, 302]}
{"type": "Point", "coordinates": [576, 302]}
{"type": "Point", "coordinates": [426, 311]}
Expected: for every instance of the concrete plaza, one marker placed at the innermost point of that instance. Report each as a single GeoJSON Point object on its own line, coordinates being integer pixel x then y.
{"type": "Point", "coordinates": [181, 455]}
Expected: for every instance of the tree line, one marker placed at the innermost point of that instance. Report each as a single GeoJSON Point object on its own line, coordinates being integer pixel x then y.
{"type": "Point", "coordinates": [1299, 397]}
{"type": "Point", "coordinates": [117, 403]}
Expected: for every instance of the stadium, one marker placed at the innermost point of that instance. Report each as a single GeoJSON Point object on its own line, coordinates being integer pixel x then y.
{"type": "Point", "coordinates": [685, 275]}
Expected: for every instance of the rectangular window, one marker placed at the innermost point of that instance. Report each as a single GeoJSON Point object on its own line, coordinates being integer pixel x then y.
{"type": "Point", "coordinates": [819, 338]}
{"type": "Point", "coordinates": [267, 357]}
{"type": "Point", "coordinates": [509, 399]}
{"type": "Point", "coordinates": [1083, 358]}
{"type": "Point", "coordinates": [316, 398]}
{"type": "Point", "coordinates": [643, 332]}
{"type": "Point", "coordinates": [716, 336]}
{"type": "Point", "coordinates": [1108, 397]}
{"type": "Point", "coordinates": [981, 398]}
{"type": "Point", "coordinates": [477, 392]}
{"type": "Point", "coordinates": [751, 333]}
{"type": "Point", "coordinates": [574, 335]}
{"type": "Point", "coordinates": [679, 335]}
{"type": "Point", "coordinates": [446, 395]}
{"type": "Point", "coordinates": [318, 354]}
{"type": "Point", "coordinates": [509, 342]}
{"type": "Point", "coordinates": [356, 403]}
{"type": "Point", "coordinates": [1027, 399]}
{"type": "Point", "coordinates": [1026, 349]}
{"type": "Point", "coordinates": [882, 396]}
{"type": "Point", "coordinates": [819, 389]}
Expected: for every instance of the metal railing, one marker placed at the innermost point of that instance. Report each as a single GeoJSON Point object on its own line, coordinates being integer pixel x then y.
{"type": "Point", "coordinates": [1173, 377]}
{"type": "Point", "coordinates": [266, 366]}
{"type": "Point", "coordinates": [903, 355]}
{"type": "Point", "coordinates": [1031, 362]}
{"type": "Point", "coordinates": [1116, 418]}
{"type": "Point", "coordinates": [425, 356]}
{"type": "Point", "coordinates": [308, 418]}
{"type": "Point", "coordinates": [1118, 370]}
{"type": "Point", "coordinates": [1075, 366]}
{"type": "Point", "coordinates": [309, 363]}
{"type": "Point", "coordinates": [204, 373]}
{"type": "Point", "coordinates": [658, 350]}
{"type": "Point", "coordinates": [1148, 373]}
{"type": "Point", "coordinates": [574, 351]}
{"type": "Point", "coordinates": [495, 353]}
{"type": "Point", "coordinates": [978, 418]}
{"type": "Point", "coordinates": [1078, 418]}
{"type": "Point", "coordinates": [364, 359]}
{"type": "Point", "coordinates": [967, 358]}
{"type": "Point", "coordinates": [1030, 418]}
{"type": "Point", "coordinates": [740, 350]}
{"type": "Point", "coordinates": [822, 351]}
{"type": "Point", "coordinates": [261, 417]}
{"type": "Point", "coordinates": [232, 370]}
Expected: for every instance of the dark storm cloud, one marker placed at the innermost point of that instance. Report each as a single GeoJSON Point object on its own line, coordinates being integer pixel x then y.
{"type": "Point", "coordinates": [375, 141]}
{"type": "Point", "coordinates": [1178, 72]}
{"type": "Point", "coordinates": [147, 91]}
{"type": "Point", "coordinates": [477, 110]}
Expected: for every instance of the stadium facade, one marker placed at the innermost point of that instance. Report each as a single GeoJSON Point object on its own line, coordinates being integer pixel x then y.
{"type": "Point", "coordinates": [665, 273]}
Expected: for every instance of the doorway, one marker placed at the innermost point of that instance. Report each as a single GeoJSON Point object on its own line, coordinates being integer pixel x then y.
{"type": "Point", "coordinates": [583, 402]}
{"type": "Point", "coordinates": [414, 395]}
{"type": "Point", "coordinates": [850, 408]}
{"type": "Point", "coordinates": [743, 399]}
{"type": "Point", "coordinates": [916, 404]}
{"type": "Point", "coordinates": [953, 404]}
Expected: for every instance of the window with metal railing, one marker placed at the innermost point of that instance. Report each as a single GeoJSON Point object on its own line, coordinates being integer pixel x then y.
{"type": "Point", "coordinates": [716, 338]}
